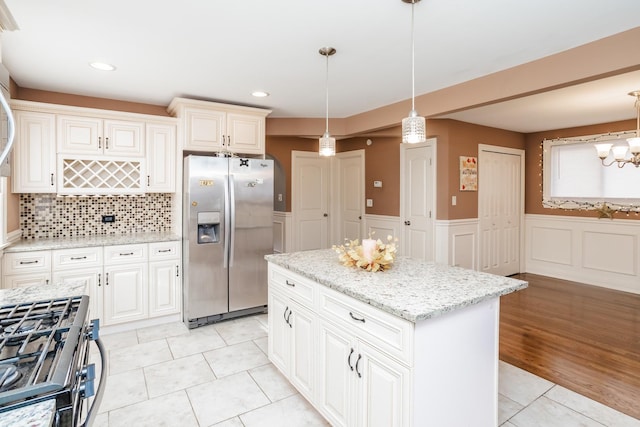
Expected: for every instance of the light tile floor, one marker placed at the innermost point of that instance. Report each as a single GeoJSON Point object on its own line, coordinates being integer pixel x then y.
{"type": "Point", "coordinates": [219, 375]}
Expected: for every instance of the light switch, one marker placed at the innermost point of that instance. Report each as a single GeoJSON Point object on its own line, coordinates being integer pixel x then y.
{"type": "Point", "coordinates": [369, 203]}
{"type": "Point", "coordinates": [279, 197]}
{"type": "Point", "coordinates": [377, 184]}
{"type": "Point", "coordinates": [454, 200]}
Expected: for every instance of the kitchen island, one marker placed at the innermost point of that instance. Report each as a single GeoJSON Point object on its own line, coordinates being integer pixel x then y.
{"type": "Point", "coordinates": [416, 345]}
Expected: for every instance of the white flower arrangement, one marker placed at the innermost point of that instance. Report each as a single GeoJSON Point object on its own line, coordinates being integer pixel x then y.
{"type": "Point", "coordinates": [372, 255]}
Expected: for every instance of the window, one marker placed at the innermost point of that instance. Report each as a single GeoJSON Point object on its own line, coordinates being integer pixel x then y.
{"type": "Point", "coordinates": [574, 176]}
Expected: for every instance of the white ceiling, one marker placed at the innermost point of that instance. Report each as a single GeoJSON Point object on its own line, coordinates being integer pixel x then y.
{"type": "Point", "coordinates": [223, 50]}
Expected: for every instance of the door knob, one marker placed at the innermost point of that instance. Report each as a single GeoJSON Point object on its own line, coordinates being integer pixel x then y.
{"type": "Point", "coordinates": [407, 223]}
{"type": "Point", "coordinates": [325, 215]}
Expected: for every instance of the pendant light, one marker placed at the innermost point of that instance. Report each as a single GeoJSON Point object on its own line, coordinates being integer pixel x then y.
{"type": "Point", "coordinates": [414, 126]}
{"type": "Point", "coordinates": [327, 143]}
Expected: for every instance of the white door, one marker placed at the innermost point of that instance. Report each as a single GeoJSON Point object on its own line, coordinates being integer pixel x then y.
{"type": "Point", "coordinates": [310, 202]}
{"type": "Point", "coordinates": [417, 199]}
{"type": "Point", "coordinates": [349, 181]}
{"type": "Point", "coordinates": [500, 209]}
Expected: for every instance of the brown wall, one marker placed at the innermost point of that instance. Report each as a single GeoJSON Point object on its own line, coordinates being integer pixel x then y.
{"type": "Point", "coordinates": [382, 163]}
{"type": "Point", "coordinates": [280, 148]}
{"type": "Point", "coordinates": [457, 139]}
{"type": "Point", "coordinates": [87, 101]}
{"type": "Point", "coordinates": [533, 185]}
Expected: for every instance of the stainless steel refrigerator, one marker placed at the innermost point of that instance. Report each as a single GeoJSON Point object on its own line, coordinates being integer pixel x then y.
{"type": "Point", "coordinates": [228, 228]}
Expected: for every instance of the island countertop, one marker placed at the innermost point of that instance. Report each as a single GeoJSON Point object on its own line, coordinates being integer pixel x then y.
{"type": "Point", "coordinates": [411, 289]}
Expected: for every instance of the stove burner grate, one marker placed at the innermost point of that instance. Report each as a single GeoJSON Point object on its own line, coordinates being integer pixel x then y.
{"type": "Point", "coordinates": [9, 374]}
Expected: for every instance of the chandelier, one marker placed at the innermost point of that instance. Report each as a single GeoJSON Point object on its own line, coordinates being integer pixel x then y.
{"type": "Point", "coordinates": [327, 144]}
{"type": "Point", "coordinates": [413, 126]}
{"type": "Point", "coordinates": [620, 152]}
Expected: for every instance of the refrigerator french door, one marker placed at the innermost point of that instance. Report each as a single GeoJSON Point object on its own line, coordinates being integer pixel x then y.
{"type": "Point", "coordinates": [228, 228]}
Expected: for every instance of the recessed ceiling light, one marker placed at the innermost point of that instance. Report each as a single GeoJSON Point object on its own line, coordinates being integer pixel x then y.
{"type": "Point", "coordinates": [103, 66]}
{"type": "Point", "coordinates": [260, 94]}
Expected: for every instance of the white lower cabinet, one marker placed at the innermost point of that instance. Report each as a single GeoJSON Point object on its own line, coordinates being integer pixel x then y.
{"type": "Point", "coordinates": [358, 384]}
{"type": "Point", "coordinates": [26, 269]}
{"type": "Point", "coordinates": [92, 278]}
{"type": "Point", "coordinates": [125, 293]}
{"type": "Point", "coordinates": [343, 366]}
{"type": "Point", "coordinates": [292, 341]}
{"type": "Point", "coordinates": [125, 283]}
{"type": "Point", "coordinates": [164, 278]}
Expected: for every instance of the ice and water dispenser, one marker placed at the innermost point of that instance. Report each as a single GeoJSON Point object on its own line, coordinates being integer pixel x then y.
{"type": "Point", "coordinates": [208, 227]}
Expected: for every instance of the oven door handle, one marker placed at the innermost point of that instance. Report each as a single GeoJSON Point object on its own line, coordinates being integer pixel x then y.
{"type": "Point", "coordinates": [91, 413]}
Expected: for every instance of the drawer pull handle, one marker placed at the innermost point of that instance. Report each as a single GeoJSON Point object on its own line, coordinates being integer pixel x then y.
{"type": "Point", "coordinates": [358, 319]}
{"type": "Point", "coordinates": [349, 360]}
{"type": "Point", "coordinates": [76, 258]}
{"type": "Point", "coordinates": [126, 254]}
{"type": "Point", "coordinates": [285, 314]}
{"type": "Point", "coordinates": [106, 282]}
{"type": "Point", "coordinates": [99, 279]}
{"type": "Point", "coordinates": [293, 285]}
{"type": "Point", "coordinates": [357, 363]}
{"type": "Point", "coordinates": [28, 262]}
{"type": "Point", "coordinates": [164, 250]}
{"type": "Point", "coordinates": [177, 271]}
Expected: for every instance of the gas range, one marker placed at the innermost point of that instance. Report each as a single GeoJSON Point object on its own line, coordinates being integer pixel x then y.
{"type": "Point", "coordinates": [44, 354]}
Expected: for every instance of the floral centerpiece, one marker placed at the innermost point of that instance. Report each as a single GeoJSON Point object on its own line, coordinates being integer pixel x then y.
{"type": "Point", "coordinates": [372, 255]}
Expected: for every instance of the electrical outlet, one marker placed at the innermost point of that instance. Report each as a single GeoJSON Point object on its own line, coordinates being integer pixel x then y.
{"type": "Point", "coordinates": [377, 184]}
{"type": "Point", "coordinates": [279, 197]}
{"type": "Point", "coordinates": [369, 203]}
{"type": "Point", "coordinates": [108, 218]}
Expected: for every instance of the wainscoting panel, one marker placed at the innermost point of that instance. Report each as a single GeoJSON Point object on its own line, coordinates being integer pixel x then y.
{"type": "Point", "coordinates": [551, 244]}
{"type": "Point", "coordinates": [457, 242]}
{"type": "Point", "coordinates": [601, 252]}
{"type": "Point", "coordinates": [281, 232]}
{"type": "Point", "coordinates": [381, 226]}
{"type": "Point", "coordinates": [597, 253]}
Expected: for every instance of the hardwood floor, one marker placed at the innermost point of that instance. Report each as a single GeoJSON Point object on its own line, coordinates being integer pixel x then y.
{"type": "Point", "coordinates": [582, 337]}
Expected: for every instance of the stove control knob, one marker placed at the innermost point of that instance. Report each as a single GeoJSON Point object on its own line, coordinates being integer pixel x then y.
{"type": "Point", "coordinates": [87, 389]}
{"type": "Point", "coordinates": [88, 372]}
{"type": "Point", "coordinates": [93, 330]}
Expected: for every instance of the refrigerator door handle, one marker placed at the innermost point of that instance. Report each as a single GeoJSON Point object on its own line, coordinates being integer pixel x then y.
{"type": "Point", "coordinates": [227, 231]}
{"type": "Point", "coordinates": [232, 215]}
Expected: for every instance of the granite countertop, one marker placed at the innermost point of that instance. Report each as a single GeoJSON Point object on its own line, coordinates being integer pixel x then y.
{"type": "Point", "coordinates": [39, 414]}
{"type": "Point", "coordinates": [411, 289]}
{"type": "Point", "coordinates": [36, 293]}
{"type": "Point", "coordinates": [27, 245]}
{"type": "Point", "coordinates": [36, 415]}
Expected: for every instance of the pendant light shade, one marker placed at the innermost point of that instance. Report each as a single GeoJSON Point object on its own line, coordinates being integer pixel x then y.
{"type": "Point", "coordinates": [414, 128]}
{"type": "Point", "coordinates": [327, 143]}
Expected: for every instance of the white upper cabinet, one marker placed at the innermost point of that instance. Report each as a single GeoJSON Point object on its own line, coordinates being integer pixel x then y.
{"type": "Point", "coordinates": [79, 151]}
{"type": "Point", "coordinates": [34, 154]}
{"type": "Point", "coordinates": [211, 126]}
{"type": "Point", "coordinates": [90, 135]}
{"type": "Point", "coordinates": [161, 158]}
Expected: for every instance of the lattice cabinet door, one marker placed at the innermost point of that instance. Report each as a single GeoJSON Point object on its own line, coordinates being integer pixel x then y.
{"type": "Point", "coordinates": [100, 175]}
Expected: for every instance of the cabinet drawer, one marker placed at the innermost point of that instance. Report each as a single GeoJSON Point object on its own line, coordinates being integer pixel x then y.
{"type": "Point", "coordinates": [31, 279]}
{"type": "Point", "coordinates": [387, 332]}
{"type": "Point", "coordinates": [295, 286]}
{"type": "Point", "coordinates": [67, 259]}
{"type": "Point", "coordinates": [27, 262]}
{"type": "Point", "coordinates": [124, 254]}
{"type": "Point", "coordinates": [164, 250]}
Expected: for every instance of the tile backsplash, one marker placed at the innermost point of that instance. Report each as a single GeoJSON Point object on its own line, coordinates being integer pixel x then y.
{"type": "Point", "coordinates": [45, 216]}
